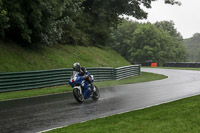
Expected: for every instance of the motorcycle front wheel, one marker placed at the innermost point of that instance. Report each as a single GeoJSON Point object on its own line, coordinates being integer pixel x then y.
{"type": "Point", "coordinates": [96, 94]}
{"type": "Point", "coordinates": [78, 96]}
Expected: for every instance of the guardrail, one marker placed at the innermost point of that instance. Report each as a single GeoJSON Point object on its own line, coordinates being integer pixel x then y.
{"type": "Point", "coordinates": [102, 73]}
{"type": "Point", "coordinates": [127, 71]}
{"type": "Point", "coordinates": [38, 79]}
{"type": "Point", "coordinates": [182, 64]}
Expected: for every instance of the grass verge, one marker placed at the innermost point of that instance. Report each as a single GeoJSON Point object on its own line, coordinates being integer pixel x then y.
{"type": "Point", "coordinates": [179, 68]}
{"type": "Point", "coordinates": [15, 58]}
{"type": "Point", "coordinates": [182, 116]}
{"type": "Point", "coordinates": [144, 77]}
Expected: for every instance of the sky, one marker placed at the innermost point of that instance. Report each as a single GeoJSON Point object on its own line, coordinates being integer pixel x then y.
{"type": "Point", "coordinates": [185, 17]}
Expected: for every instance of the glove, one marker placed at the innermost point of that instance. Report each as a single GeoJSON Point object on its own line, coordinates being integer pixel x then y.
{"type": "Point", "coordinates": [87, 77]}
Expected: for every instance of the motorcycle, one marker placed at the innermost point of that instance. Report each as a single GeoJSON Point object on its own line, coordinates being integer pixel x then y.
{"type": "Point", "coordinates": [83, 87]}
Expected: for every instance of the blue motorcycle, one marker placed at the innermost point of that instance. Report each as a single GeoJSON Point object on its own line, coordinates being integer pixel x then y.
{"type": "Point", "coordinates": [83, 87]}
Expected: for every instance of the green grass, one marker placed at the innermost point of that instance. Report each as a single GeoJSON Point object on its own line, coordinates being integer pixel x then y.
{"type": "Point", "coordinates": [182, 116]}
{"type": "Point", "coordinates": [14, 58]}
{"type": "Point", "coordinates": [36, 92]}
{"type": "Point", "coordinates": [144, 77]}
{"type": "Point", "coordinates": [179, 68]}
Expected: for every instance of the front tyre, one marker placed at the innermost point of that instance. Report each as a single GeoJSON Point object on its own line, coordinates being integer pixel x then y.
{"type": "Point", "coordinates": [96, 94]}
{"type": "Point", "coordinates": [78, 96]}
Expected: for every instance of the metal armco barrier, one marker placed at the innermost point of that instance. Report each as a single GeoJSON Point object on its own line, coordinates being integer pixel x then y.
{"type": "Point", "coordinates": [126, 71]}
{"type": "Point", "coordinates": [182, 64]}
{"type": "Point", "coordinates": [33, 79]}
{"type": "Point", "coordinates": [102, 73]}
{"type": "Point", "coordinates": [45, 78]}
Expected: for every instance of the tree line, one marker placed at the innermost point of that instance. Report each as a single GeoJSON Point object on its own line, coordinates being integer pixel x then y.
{"type": "Point", "coordinates": [75, 22]}
{"type": "Point", "coordinates": [193, 46]}
{"type": "Point", "coordinates": [92, 22]}
{"type": "Point", "coordinates": [141, 42]}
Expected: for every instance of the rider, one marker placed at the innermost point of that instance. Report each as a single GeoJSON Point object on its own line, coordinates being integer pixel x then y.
{"type": "Point", "coordinates": [82, 72]}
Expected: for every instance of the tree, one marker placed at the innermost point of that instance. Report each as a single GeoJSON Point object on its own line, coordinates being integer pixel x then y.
{"type": "Point", "coordinates": [151, 43]}
{"type": "Point", "coordinates": [102, 14]}
{"type": "Point", "coordinates": [168, 26]}
{"type": "Point", "coordinates": [3, 20]}
{"type": "Point", "coordinates": [147, 44]}
{"type": "Point", "coordinates": [38, 20]}
{"type": "Point", "coordinates": [121, 38]}
{"type": "Point", "coordinates": [193, 45]}
{"type": "Point", "coordinates": [142, 42]}
{"type": "Point", "coordinates": [85, 22]}
{"type": "Point", "coordinates": [197, 55]}
{"type": "Point", "coordinates": [172, 2]}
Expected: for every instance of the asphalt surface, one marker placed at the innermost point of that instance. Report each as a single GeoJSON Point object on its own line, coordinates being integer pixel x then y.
{"type": "Point", "coordinates": [43, 113]}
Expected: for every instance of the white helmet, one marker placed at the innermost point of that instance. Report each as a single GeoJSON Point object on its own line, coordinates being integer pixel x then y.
{"type": "Point", "coordinates": [76, 66]}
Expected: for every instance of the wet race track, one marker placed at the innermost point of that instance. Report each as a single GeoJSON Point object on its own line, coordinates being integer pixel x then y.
{"type": "Point", "coordinates": [43, 113]}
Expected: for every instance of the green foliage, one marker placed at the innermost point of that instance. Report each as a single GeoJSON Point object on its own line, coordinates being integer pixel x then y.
{"type": "Point", "coordinates": [60, 26]}
{"type": "Point", "coordinates": [142, 42]}
{"type": "Point", "coordinates": [197, 55]}
{"type": "Point", "coordinates": [177, 47]}
{"type": "Point", "coordinates": [193, 45]}
{"type": "Point", "coordinates": [78, 22]}
{"type": "Point", "coordinates": [3, 20]}
{"type": "Point", "coordinates": [147, 44]}
{"type": "Point", "coordinates": [121, 38]}
{"type": "Point", "coordinates": [17, 21]}
{"type": "Point", "coordinates": [38, 20]}
{"type": "Point", "coordinates": [101, 15]}
{"type": "Point", "coordinates": [168, 26]}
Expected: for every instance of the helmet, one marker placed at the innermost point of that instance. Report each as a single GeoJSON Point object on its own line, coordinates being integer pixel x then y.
{"type": "Point", "coordinates": [76, 66]}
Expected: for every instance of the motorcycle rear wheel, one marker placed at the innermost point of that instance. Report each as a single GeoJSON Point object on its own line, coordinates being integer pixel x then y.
{"type": "Point", "coordinates": [96, 94]}
{"type": "Point", "coordinates": [79, 97]}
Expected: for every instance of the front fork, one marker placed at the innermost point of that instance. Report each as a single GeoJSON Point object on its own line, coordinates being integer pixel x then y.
{"type": "Point", "coordinates": [79, 88]}
{"type": "Point", "coordinates": [93, 87]}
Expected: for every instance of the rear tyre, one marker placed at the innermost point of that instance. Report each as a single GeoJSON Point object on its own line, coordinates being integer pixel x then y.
{"type": "Point", "coordinates": [79, 97]}
{"type": "Point", "coordinates": [96, 94]}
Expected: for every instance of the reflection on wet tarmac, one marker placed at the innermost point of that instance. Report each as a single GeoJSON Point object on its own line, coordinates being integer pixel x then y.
{"type": "Point", "coordinates": [42, 113]}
